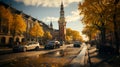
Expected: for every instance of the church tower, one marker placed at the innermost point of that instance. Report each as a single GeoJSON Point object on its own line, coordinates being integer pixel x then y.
{"type": "Point", "coordinates": [51, 25]}
{"type": "Point", "coordinates": [62, 24]}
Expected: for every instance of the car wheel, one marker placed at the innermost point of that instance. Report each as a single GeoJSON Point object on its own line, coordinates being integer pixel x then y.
{"type": "Point", "coordinates": [53, 47]}
{"type": "Point", "coordinates": [58, 46]}
{"type": "Point", "coordinates": [37, 48]}
{"type": "Point", "coordinates": [24, 49]}
{"type": "Point", "coordinates": [14, 51]}
{"type": "Point", "coordinates": [45, 48]}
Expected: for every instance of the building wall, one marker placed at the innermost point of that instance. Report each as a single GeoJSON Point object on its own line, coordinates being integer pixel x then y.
{"type": "Point", "coordinates": [6, 38]}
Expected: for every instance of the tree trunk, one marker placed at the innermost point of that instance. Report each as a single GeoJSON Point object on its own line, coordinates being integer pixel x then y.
{"type": "Point", "coordinates": [103, 34]}
{"type": "Point", "coordinates": [115, 31]}
{"type": "Point", "coordinates": [103, 38]}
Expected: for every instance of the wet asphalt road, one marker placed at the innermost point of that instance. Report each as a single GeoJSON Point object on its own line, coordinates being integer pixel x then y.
{"type": "Point", "coordinates": [11, 55]}
{"type": "Point", "coordinates": [58, 57]}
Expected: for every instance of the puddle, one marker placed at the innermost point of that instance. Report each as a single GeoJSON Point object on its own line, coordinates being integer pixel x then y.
{"type": "Point", "coordinates": [57, 58]}
{"type": "Point", "coordinates": [59, 53]}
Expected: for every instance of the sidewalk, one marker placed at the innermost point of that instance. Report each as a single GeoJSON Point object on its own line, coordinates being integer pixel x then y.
{"type": "Point", "coordinates": [97, 60]}
{"type": "Point", "coordinates": [5, 50]}
{"type": "Point", "coordinates": [79, 60]}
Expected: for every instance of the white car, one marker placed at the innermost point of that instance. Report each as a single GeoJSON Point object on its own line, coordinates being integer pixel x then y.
{"type": "Point", "coordinates": [26, 46]}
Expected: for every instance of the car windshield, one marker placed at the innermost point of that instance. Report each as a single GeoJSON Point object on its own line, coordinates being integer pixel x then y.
{"type": "Point", "coordinates": [25, 43]}
{"type": "Point", "coordinates": [76, 42]}
{"type": "Point", "coordinates": [51, 42]}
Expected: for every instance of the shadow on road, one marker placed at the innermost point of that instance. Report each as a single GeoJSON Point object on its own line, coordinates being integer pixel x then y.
{"type": "Point", "coordinates": [74, 65]}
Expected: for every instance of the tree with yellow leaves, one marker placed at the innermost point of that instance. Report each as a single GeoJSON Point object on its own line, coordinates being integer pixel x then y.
{"type": "Point", "coordinates": [73, 35]}
{"type": "Point", "coordinates": [98, 14]}
{"type": "Point", "coordinates": [18, 25]}
{"type": "Point", "coordinates": [90, 31]}
{"type": "Point", "coordinates": [68, 39]}
{"type": "Point", "coordinates": [104, 15]}
{"type": "Point", "coordinates": [12, 22]}
{"type": "Point", "coordinates": [6, 19]}
{"type": "Point", "coordinates": [47, 36]}
{"type": "Point", "coordinates": [68, 35]}
{"type": "Point", "coordinates": [36, 31]}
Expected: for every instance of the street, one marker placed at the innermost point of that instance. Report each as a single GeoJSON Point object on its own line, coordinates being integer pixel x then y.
{"type": "Point", "coordinates": [59, 33]}
{"type": "Point", "coordinates": [61, 57]}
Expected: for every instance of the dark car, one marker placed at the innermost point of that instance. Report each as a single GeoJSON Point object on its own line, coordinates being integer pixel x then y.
{"type": "Point", "coordinates": [26, 46]}
{"type": "Point", "coordinates": [62, 43]}
{"type": "Point", "coordinates": [52, 45]}
{"type": "Point", "coordinates": [77, 44]}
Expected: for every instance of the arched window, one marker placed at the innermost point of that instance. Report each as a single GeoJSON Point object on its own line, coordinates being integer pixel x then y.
{"type": "Point", "coordinates": [3, 41]}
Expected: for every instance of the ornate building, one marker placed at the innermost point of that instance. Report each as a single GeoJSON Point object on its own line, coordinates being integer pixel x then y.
{"type": "Point", "coordinates": [6, 37]}
{"type": "Point", "coordinates": [62, 24]}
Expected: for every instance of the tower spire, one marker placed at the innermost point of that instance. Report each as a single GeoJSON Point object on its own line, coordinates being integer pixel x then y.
{"type": "Point", "coordinates": [62, 9]}
{"type": "Point", "coordinates": [51, 25]}
{"type": "Point", "coordinates": [62, 3]}
{"type": "Point", "coordinates": [62, 23]}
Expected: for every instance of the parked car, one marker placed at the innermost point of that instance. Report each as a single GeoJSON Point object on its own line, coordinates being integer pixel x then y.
{"type": "Point", "coordinates": [77, 44]}
{"type": "Point", "coordinates": [52, 44]}
{"type": "Point", "coordinates": [62, 43]}
{"type": "Point", "coordinates": [26, 46]}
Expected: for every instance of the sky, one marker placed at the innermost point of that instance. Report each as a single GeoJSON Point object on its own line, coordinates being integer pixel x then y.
{"type": "Point", "coordinates": [49, 11]}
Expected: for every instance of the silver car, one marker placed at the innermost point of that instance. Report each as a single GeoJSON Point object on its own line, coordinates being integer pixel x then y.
{"type": "Point", "coordinates": [26, 46]}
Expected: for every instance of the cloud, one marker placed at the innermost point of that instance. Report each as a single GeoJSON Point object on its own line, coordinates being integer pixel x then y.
{"type": "Point", "coordinates": [47, 3]}
{"type": "Point", "coordinates": [48, 19]}
{"type": "Point", "coordinates": [74, 16]}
